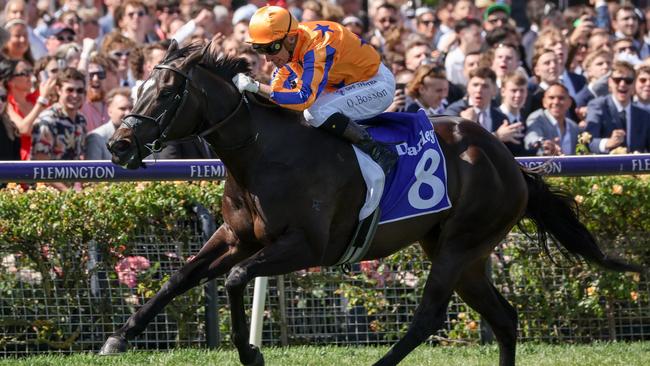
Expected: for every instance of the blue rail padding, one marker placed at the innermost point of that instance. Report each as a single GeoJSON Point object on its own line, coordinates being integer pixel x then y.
{"type": "Point", "coordinates": [105, 171]}
{"type": "Point", "coordinates": [102, 171]}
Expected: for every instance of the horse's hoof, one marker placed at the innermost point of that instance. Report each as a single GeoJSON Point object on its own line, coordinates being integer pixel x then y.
{"type": "Point", "coordinates": [114, 345]}
{"type": "Point", "coordinates": [259, 358]}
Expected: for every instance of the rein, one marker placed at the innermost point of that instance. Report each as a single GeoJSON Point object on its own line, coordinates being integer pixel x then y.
{"type": "Point", "coordinates": [178, 101]}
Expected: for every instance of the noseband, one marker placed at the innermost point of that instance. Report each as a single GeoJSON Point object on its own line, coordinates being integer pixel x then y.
{"type": "Point", "coordinates": [178, 101]}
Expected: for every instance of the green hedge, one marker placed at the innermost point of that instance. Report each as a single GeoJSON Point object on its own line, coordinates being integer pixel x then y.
{"type": "Point", "coordinates": [50, 231]}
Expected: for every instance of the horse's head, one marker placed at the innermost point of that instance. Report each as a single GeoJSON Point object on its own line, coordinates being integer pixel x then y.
{"type": "Point", "coordinates": [170, 107]}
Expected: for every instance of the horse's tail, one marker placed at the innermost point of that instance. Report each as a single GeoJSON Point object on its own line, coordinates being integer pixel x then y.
{"type": "Point", "coordinates": [555, 212]}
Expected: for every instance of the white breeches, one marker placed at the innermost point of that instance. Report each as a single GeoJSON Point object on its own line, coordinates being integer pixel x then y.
{"type": "Point", "coordinates": [357, 101]}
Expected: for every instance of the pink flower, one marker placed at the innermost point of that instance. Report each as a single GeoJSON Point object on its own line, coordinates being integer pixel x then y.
{"type": "Point", "coordinates": [128, 269]}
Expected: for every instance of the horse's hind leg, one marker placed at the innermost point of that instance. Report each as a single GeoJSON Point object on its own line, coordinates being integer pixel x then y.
{"type": "Point", "coordinates": [430, 314]}
{"type": "Point", "coordinates": [477, 291]}
{"type": "Point", "coordinates": [216, 257]}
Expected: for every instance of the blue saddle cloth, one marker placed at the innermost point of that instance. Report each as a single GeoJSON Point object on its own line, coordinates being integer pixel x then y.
{"type": "Point", "coordinates": [418, 183]}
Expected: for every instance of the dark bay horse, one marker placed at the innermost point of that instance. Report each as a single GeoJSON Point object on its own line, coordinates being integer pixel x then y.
{"type": "Point", "coordinates": [293, 194]}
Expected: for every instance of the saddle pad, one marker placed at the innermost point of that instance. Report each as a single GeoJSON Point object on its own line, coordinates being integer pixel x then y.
{"type": "Point", "coordinates": [418, 183]}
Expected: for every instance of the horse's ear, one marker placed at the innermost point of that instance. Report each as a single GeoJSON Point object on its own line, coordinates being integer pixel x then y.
{"type": "Point", "coordinates": [173, 46]}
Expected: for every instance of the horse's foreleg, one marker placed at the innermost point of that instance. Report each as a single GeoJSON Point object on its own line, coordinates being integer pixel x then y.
{"type": "Point", "coordinates": [216, 257]}
{"type": "Point", "coordinates": [477, 291]}
{"type": "Point", "coordinates": [285, 255]}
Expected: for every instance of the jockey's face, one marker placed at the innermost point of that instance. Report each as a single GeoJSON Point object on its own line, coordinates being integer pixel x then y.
{"type": "Point", "coordinates": [283, 56]}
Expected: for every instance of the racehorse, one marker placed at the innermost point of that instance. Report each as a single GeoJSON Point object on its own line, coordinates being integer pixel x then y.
{"type": "Point", "coordinates": [293, 193]}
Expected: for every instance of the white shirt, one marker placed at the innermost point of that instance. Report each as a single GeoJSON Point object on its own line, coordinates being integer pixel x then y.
{"type": "Point", "coordinates": [454, 66]}
{"type": "Point", "coordinates": [511, 117]}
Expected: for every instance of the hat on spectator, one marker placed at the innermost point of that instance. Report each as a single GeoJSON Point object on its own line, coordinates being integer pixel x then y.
{"type": "Point", "coordinates": [424, 10]}
{"type": "Point", "coordinates": [243, 13]}
{"type": "Point", "coordinates": [496, 7]}
{"type": "Point", "coordinates": [352, 20]}
{"type": "Point", "coordinates": [56, 28]}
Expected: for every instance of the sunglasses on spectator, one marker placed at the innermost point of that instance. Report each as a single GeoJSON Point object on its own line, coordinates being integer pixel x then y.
{"type": "Point", "coordinates": [3, 98]}
{"type": "Point", "coordinates": [618, 80]}
{"type": "Point", "coordinates": [101, 74]}
{"type": "Point", "coordinates": [24, 73]}
{"type": "Point", "coordinates": [68, 38]}
{"type": "Point", "coordinates": [428, 22]}
{"type": "Point", "coordinates": [118, 54]}
{"type": "Point", "coordinates": [390, 20]}
{"type": "Point", "coordinates": [134, 13]}
{"type": "Point", "coordinates": [269, 48]}
{"type": "Point", "coordinates": [497, 20]}
{"type": "Point", "coordinates": [71, 90]}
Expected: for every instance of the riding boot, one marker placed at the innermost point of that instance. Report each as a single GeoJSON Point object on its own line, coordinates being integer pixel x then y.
{"type": "Point", "coordinates": [342, 126]}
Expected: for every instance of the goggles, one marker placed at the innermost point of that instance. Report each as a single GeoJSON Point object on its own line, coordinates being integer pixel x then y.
{"type": "Point", "coordinates": [274, 47]}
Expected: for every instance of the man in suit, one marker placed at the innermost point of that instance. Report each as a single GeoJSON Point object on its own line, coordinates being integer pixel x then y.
{"type": "Point", "coordinates": [477, 106]}
{"type": "Point", "coordinates": [614, 120]}
{"type": "Point", "coordinates": [119, 105]}
{"type": "Point", "coordinates": [549, 131]}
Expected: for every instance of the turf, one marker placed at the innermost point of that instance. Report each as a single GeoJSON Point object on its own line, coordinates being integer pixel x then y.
{"type": "Point", "coordinates": [605, 354]}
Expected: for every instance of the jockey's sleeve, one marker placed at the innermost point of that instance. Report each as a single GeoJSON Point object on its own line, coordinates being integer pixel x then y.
{"type": "Point", "coordinates": [297, 87]}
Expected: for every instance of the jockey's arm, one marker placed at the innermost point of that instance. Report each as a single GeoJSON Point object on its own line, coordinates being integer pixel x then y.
{"type": "Point", "coordinates": [265, 90]}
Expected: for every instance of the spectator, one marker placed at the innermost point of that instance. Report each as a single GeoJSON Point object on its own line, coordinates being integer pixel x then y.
{"type": "Point", "coordinates": [626, 24]}
{"type": "Point", "coordinates": [131, 23]}
{"type": "Point", "coordinates": [514, 91]}
{"type": "Point", "coordinates": [386, 20]}
{"type": "Point", "coordinates": [9, 136]}
{"type": "Point", "coordinates": [505, 61]}
{"type": "Point", "coordinates": [354, 24]}
{"type": "Point", "coordinates": [550, 132]}
{"type": "Point", "coordinates": [23, 104]}
{"type": "Point", "coordinates": [446, 21]}
{"type": "Point", "coordinates": [311, 11]}
{"type": "Point", "coordinates": [547, 71]}
{"type": "Point", "coordinates": [71, 19]}
{"type": "Point", "coordinates": [469, 36]}
{"type": "Point", "coordinates": [119, 104]}
{"type": "Point", "coordinates": [425, 25]}
{"type": "Point", "coordinates": [599, 39]}
{"type": "Point", "coordinates": [102, 78]}
{"type": "Point", "coordinates": [119, 47]}
{"type": "Point", "coordinates": [401, 100]}
{"type": "Point", "coordinates": [428, 89]}
{"type": "Point", "coordinates": [166, 12]}
{"type": "Point", "coordinates": [597, 66]}
{"type": "Point", "coordinates": [624, 50]}
{"type": "Point", "coordinates": [552, 39]}
{"type": "Point", "coordinates": [17, 46]}
{"type": "Point", "coordinates": [60, 131]}
{"type": "Point", "coordinates": [19, 9]}
{"type": "Point", "coordinates": [90, 28]}
{"type": "Point", "coordinates": [57, 35]}
{"type": "Point", "coordinates": [613, 120]}
{"type": "Point", "coordinates": [107, 22]}
{"type": "Point", "coordinates": [642, 87]}
{"type": "Point", "coordinates": [496, 16]}
{"type": "Point", "coordinates": [416, 51]}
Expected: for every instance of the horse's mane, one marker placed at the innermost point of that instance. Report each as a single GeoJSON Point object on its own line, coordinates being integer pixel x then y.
{"type": "Point", "coordinates": [226, 67]}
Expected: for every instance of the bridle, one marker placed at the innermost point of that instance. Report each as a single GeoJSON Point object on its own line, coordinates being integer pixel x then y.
{"type": "Point", "coordinates": [177, 103]}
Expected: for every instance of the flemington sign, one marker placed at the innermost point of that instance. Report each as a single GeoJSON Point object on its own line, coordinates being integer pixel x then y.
{"type": "Point", "coordinates": [99, 171]}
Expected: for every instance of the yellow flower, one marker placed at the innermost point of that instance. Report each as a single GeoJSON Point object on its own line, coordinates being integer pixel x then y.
{"type": "Point", "coordinates": [472, 325]}
{"type": "Point", "coordinates": [595, 187]}
{"type": "Point", "coordinates": [584, 138]}
{"type": "Point", "coordinates": [634, 295]}
{"type": "Point", "coordinates": [579, 199]}
{"type": "Point", "coordinates": [617, 189]}
{"type": "Point", "coordinates": [591, 291]}
{"type": "Point", "coordinates": [461, 316]}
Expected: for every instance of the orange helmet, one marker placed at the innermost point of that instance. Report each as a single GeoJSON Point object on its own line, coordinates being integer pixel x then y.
{"type": "Point", "coordinates": [270, 23]}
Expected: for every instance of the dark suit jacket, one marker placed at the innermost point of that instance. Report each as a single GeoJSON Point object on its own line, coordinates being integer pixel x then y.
{"type": "Point", "coordinates": [578, 81]}
{"type": "Point", "coordinates": [584, 96]}
{"type": "Point", "coordinates": [603, 118]}
{"type": "Point", "coordinates": [497, 119]}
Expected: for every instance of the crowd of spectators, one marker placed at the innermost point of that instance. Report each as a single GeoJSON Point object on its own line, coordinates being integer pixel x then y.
{"type": "Point", "coordinates": [537, 74]}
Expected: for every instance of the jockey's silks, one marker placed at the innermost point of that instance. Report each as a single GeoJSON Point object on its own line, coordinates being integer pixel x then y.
{"type": "Point", "coordinates": [327, 57]}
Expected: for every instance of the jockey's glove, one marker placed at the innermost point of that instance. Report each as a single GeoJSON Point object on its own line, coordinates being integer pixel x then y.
{"type": "Point", "coordinates": [244, 82]}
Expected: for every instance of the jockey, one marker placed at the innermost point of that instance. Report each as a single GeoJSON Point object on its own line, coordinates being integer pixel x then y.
{"type": "Point", "coordinates": [325, 71]}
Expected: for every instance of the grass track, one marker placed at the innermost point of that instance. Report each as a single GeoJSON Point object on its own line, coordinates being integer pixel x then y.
{"type": "Point", "coordinates": [597, 354]}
